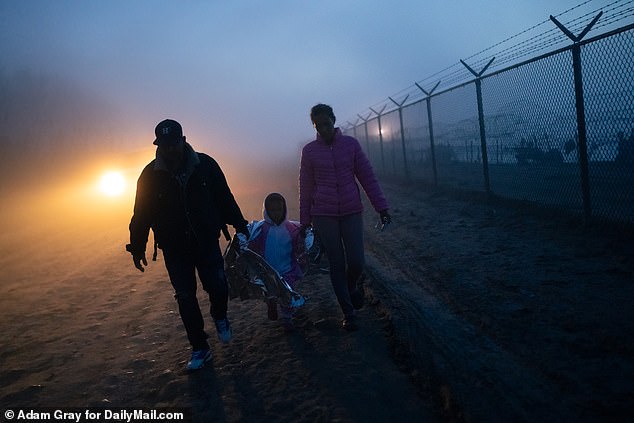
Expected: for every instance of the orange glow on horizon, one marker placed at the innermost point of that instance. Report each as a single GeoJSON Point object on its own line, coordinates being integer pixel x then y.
{"type": "Point", "coordinates": [112, 184]}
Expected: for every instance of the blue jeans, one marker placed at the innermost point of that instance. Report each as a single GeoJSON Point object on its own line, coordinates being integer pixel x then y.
{"type": "Point", "coordinates": [342, 238]}
{"type": "Point", "coordinates": [181, 264]}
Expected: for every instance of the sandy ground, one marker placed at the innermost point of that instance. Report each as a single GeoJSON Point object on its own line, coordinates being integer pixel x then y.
{"type": "Point", "coordinates": [475, 312]}
{"type": "Point", "coordinates": [82, 328]}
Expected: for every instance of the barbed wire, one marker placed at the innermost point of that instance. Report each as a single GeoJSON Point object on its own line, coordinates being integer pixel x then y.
{"type": "Point", "coordinates": [527, 45]}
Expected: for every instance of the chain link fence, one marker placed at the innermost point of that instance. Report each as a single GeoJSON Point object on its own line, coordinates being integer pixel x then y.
{"type": "Point", "coordinates": [556, 130]}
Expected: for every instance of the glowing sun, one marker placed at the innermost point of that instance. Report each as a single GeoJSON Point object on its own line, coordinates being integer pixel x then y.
{"type": "Point", "coordinates": [112, 184]}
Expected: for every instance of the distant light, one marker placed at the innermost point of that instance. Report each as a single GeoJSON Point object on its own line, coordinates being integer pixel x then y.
{"type": "Point", "coordinates": [112, 184]}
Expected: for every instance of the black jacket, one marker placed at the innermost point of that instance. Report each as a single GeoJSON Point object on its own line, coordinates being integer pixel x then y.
{"type": "Point", "coordinates": [193, 205]}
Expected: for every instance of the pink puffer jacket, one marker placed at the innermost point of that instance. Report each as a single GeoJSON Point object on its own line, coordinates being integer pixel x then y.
{"type": "Point", "coordinates": [327, 184]}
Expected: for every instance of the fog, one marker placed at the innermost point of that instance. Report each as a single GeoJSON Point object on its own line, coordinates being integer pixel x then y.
{"type": "Point", "coordinates": [61, 221]}
{"type": "Point", "coordinates": [83, 83]}
{"type": "Point", "coordinates": [240, 77]}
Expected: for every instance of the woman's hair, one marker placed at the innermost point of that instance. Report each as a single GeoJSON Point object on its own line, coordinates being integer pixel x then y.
{"type": "Point", "coordinates": [322, 109]}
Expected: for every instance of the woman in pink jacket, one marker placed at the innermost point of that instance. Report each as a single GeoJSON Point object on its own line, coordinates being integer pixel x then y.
{"type": "Point", "coordinates": [330, 201]}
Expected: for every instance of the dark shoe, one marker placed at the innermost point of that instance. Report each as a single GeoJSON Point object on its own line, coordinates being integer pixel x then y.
{"type": "Point", "coordinates": [224, 330]}
{"type": "Point", "coordinates": [198, 360]}
{"type": "Point", "coordinates": [271, 308]}
{"type": "Point", "coordinates": [350, 324]}
{"type": "Point", "coordinates": [358, 298]}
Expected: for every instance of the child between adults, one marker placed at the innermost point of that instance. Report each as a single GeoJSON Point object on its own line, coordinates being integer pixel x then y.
{"type": "Point", "coordinates": [282, 244]}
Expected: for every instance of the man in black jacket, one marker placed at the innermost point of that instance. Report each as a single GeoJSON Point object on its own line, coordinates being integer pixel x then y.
{"type": "Point", "coordinates": [184, 197]}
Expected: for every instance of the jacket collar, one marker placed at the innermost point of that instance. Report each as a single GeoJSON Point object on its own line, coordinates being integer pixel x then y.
{"type": "Point", "coordinates": [337, 136]}
{"type": "Point", "coordinates": [268, 219]}
{"type": "Point", "coordinates": [191, 161]}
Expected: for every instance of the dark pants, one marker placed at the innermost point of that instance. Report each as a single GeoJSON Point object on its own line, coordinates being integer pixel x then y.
{"type": "Point", "coordinates": [181, 265]}
{"type": "Point", "coordinates": [342, 238]}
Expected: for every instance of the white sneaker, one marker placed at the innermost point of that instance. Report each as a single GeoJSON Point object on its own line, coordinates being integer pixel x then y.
{"type": "Point", "coordinates": [224, 330]}
{"type": "Point", "coordinates": [198, 360]}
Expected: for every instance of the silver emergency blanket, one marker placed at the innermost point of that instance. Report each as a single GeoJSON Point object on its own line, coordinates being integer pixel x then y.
{"type": "Point", "coordinates": [251, 277]}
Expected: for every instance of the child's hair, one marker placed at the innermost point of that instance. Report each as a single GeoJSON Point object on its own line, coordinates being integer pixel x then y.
{"type": "Point", "coordinates": [322, 109]}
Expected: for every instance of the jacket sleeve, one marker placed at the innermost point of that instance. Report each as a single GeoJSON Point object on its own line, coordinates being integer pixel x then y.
{"type": "Point", "coordinates": [366, 177]}
{"type": "Point", "coordinates": [306, 187]}
{"type": "Point", "coordinates": [229, 210]}
{"type": "Point", "coordinates": [142, 217]}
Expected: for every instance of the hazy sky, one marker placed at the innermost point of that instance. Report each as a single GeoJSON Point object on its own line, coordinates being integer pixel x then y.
{"type": "Point", "coordinates": [243, 74]}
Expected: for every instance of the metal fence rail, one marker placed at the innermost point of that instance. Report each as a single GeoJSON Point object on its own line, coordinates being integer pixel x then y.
{"type": "Point", "coordinates": [556, 130]}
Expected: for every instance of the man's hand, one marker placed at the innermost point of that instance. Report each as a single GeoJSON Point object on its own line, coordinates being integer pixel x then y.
{"type": "Point", "coordinates": [137, 260]}
{"type": "Point", "coordinates": [242, 232]}
{"type": "Point", "coordinates": [138, 257]}
{"type": "Point", "coordinates": [242, 229]}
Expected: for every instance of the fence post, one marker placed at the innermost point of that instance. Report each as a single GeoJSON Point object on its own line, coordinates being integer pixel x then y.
{"type": "Point", "coordinates": [354, 127]}
{"type": "Point", "coordinates": [347, 126]}
{"type": "Point", "coordinates": [483, 139]}
{"type": "Point", "coordinates": [581, 114]}
{"type": "Point", "coordinates": [367, 138]}
{"type": "Point", "coordinates": [400, 118]}
{"type": "Point", "coordinates": [380, 135]}
{"type": "Point", "coordinates": [431, 128]}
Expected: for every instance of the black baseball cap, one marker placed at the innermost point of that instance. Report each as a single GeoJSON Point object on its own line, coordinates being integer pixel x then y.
{"type": "Point", "coordinates": [168, 131]}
